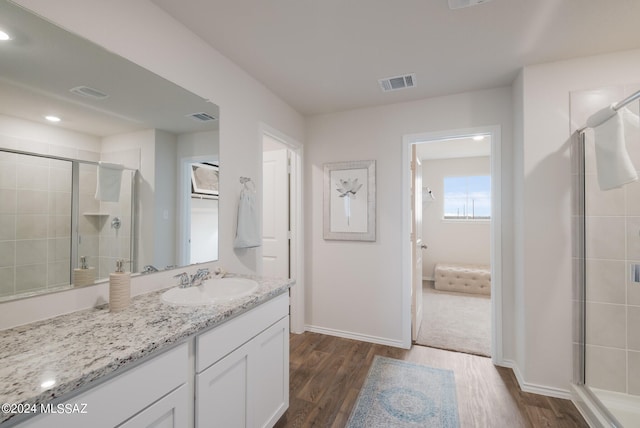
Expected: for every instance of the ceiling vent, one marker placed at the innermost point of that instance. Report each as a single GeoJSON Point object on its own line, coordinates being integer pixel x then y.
{"type": "Point", "coordinates": [87, 92]}
{"type": "Point", "coordinates": [459, 4]}
{"type": "Point", "coordinates": [201, 117]}
{"type": "Point", "coordinates": [398, 82]}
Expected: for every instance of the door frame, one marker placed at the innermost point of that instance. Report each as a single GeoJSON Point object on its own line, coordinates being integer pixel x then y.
{"type": "Point", "coordinates": [296, 219]}
{"type": "Point", "coordinates": [184, 206]}
{"type": "Point", "coordinates": [496, 232]}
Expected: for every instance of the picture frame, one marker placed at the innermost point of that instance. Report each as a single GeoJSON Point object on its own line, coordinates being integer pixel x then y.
{"type": "Point", "coordinates": [205, 179]}
{"type": "Point", "coordinates": [350, 201]}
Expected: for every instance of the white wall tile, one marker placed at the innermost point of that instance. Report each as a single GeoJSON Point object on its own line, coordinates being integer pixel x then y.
{"type": "Point", "coordinates": [633, 238]}
{"type": "Point", "coordinates": [8, 175]}
{"type": "Point", "coordinates": [32, 202]}
{"type": "Point", "coordinates": [31, 226]}
{"type": "Point", "coordinates": [33, 177]}
{"type": "Point", "coordinates": [603, 203]}
{"type": "Point", "coordinates": [606, 368]}
{"type": "Point", "coordinates": [31, 277]}
{"type": "Point", "coordinates": [634, 372]}
{"type": "Point", "coordinates": [31, 252]}
{"type": "Point", "coordinates": [606, 325]}
{"type": "Point", "coordinates": [7, 253]}
{"type": "Point", "coordinates": [9, 201]}
{"type": "Point", "coordinates": [7, 283]}
{"type": "Point", "coordinates": [605, 238]}
{"type": "Point", "coordinates": [633, 328]}
{"type": "Point", "coordinates": [7, 227]}
{"type": "Point", "coordinates": [606, 281]}
{"type": "Point", "coordinates": [633, 292]}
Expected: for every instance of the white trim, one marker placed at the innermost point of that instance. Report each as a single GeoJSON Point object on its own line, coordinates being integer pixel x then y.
{"type": "Point", "coordinates": [296, 215]}
{"type": "Point", "coordinates": [535, 388]}
{"type": "Point", "coordinates": [588, 408]}
{"type": "Point", "coordinates": [355, 336]}
{"type": "Point", "coordinates": [496, 232]}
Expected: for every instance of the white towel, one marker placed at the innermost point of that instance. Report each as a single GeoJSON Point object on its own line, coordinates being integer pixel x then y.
{"type": "Point", "coordinates": [109, 178]}
{"type": "Point", "coordinates": [613, 164]}
{"type": "Point", "coordinates": [247, 233]}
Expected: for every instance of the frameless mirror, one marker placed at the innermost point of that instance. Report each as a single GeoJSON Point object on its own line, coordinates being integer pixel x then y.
{"type": "Point", "coordinates": [64, 221]}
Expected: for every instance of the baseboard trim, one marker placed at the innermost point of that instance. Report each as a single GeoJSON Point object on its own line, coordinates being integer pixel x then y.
{"type": "Point", "coordinates": [427, 278]}
{"type": "Point", "coordinates": [354, 336]}
{"type": "Point", "coordinates": [533, 388]}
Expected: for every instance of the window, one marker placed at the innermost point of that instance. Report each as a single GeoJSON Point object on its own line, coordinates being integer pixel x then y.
{"type": "Point", "coordinates": [467, 198]}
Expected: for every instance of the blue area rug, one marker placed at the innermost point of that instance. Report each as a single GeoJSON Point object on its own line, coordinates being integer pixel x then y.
{"type": "Point", "coordinates": [402, 394]}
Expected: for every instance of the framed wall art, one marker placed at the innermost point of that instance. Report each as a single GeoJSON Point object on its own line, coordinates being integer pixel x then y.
{"type": "Point", "coordinates": [350, 201]}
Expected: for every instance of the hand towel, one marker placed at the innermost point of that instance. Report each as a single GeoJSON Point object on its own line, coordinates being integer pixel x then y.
{"type": "Point", "coordinates": [613, 165]}
{"type": "Point", "coordinates": [247, 233]}
{"type": "Point", "coordinates": [109, 178]}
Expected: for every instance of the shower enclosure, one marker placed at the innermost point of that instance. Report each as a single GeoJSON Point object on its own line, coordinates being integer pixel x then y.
{"type": "Point", "coordinates": [606, 272]}
{"type": "Point", "coordinates": [50, 219]}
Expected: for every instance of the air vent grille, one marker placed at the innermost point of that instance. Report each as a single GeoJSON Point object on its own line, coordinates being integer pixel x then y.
{"type": "Point", "coordinates": [398, 82]}
{"type": "Point", "coordinates": [87, 92]}
{"type": "Point", "coordinates": [201, 117]}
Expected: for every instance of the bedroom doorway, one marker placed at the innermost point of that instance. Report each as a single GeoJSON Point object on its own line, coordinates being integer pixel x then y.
{"type": "Point", "coordinates": [283, 240]}
{"type": "Point", "coordinates": [460, 245]}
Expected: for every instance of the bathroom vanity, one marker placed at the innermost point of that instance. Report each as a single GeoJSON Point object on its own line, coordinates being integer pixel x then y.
{"type": "Point", "coordinates": [152, 365]}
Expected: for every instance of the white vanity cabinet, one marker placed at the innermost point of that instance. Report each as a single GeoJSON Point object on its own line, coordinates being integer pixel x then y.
{"type": "Point", "coordinates": [233, 375]}
{"type": "Point", "coordinates": [242, 369]}
{"type": "Point", "coordinates": [152, 394]}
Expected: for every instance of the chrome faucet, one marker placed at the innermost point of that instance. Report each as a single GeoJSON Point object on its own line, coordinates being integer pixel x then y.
{"type": "Point", "coordinates": [149, 269]}
{"type": "Point", "coordinates": [195, 280]}
{"type": "Point", "coordinates": [184, 280]}
{"type": "Point", "coordinates": [199, 277]}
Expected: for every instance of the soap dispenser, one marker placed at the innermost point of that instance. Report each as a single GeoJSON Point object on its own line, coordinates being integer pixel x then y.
{"type": "Point", "coordinates": [84, 275]}
{"type": "Point", "coordinates": [119, 288]}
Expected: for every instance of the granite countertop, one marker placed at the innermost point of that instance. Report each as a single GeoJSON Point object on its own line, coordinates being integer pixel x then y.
{"type": "Point", "coordinates": [78, 348]}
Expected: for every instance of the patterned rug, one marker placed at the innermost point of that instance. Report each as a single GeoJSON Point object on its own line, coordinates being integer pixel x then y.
{"type": "Point", "coordinates": [402, 394]}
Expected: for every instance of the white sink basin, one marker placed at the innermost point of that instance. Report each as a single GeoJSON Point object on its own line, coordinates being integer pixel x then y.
{"type": "Point", "coordinates": [211, 291]}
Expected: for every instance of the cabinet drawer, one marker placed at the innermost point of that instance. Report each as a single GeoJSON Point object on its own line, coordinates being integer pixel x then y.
{"type": "Point", "coordinates": [116, 400]}
{"type": "Point", "coordinates": [215, 344]}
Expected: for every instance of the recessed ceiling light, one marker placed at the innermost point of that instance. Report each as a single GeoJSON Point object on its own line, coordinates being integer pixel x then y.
{"type": "Point", "coordinates": [478, 137]}
{"type": "Point", "coordinates": [4, 36]}
{"type": "Point", "coordinates": [52, 118]}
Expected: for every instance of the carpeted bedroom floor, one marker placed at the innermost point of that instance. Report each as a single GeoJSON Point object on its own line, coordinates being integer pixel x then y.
{"type": "Point", "coordinates": [455, 321]}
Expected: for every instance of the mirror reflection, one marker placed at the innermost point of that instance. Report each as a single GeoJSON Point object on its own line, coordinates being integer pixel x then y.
{"type": "Point", "coordinates": [99, 160]}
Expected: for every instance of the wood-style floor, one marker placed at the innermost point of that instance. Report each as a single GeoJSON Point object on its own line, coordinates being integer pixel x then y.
{"type": "Point", "coordinates": [327, 374]}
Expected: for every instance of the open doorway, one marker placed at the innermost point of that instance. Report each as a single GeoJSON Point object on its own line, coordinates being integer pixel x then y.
{"type": "Point", "coordinates": [282, 237]}
{"type": "Point", "coordinates": [458, 241]}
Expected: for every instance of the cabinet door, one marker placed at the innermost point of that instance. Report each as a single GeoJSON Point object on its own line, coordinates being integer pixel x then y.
{"type": "Point", "coordinates": [118, 399]}
{"type": "Point", "coordinates": [270, 374]}
{"type": "Point", "coordinates": [222, 391]}
{"type": "Point", "coordinates": [168, 412]}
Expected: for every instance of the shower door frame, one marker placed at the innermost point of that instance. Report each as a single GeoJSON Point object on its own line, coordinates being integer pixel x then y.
{"type": "Point", "coordinates": [133, 246]}
{"type": "Point", "coordinates": [589, 405]}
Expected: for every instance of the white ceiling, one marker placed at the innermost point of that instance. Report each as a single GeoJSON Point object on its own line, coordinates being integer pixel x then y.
{"type": "Point", "coordinates": [42, 63]}
{"type": "Point", "coordinates": [327, 55]}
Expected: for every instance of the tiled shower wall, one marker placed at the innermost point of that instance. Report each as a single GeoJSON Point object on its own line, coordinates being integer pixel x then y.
{"type": "Point", "coordinates": [612, 241]}
{"type": "Point", "coordinates": [35, 223]}
{"type": "Point", "coordinates": [35, 210]}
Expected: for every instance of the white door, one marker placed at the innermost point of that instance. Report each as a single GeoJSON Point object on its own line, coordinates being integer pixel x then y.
{"type": "Point", "coordinates": [417, 245]}
{"type": "Point", "coordinates": [275, 211]}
